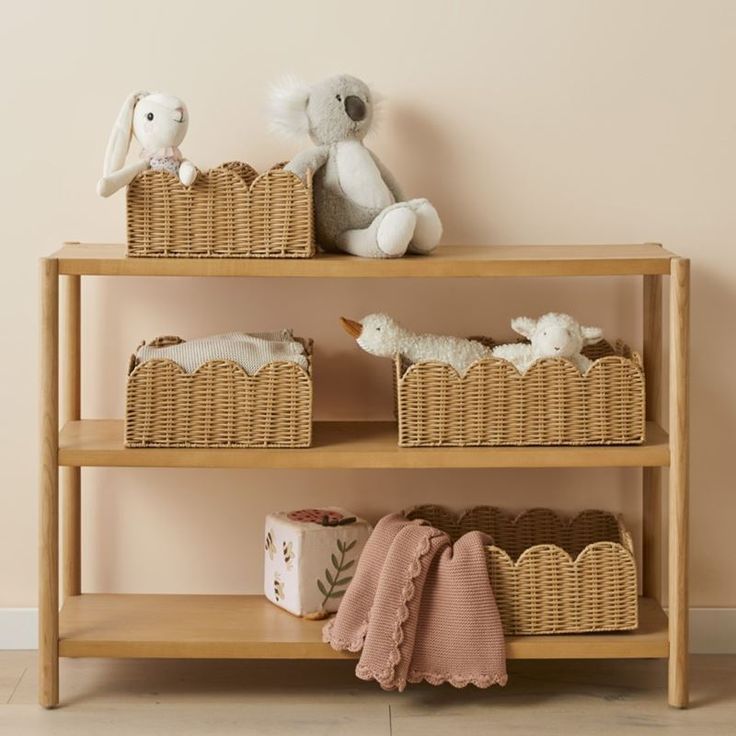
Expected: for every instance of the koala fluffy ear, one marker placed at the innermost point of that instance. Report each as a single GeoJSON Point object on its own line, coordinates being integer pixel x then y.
{"type": "Point", "coordinates": [591, 335]}
{"type": "Point", "coordinates": [525, 326]}
{"type": "Point", "coordinates": [288, 100]}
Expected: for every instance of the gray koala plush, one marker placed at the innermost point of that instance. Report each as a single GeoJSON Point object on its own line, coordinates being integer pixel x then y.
{"type": "Point", "coordinates": [359, 208]}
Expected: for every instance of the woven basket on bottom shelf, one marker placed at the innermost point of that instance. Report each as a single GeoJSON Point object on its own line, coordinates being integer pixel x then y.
{"type": "Point", "coordinates": [551, 404]}
{"type": "Point", "coordinates": [219, 405]}
{"type": "Point", "coordinates": [552, 575]}
{"type": "Point", "coordinates": [229, 212]}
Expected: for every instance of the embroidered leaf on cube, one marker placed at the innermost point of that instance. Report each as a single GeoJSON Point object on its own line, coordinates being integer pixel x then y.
{"type": "Point", "coordinates": [335, 585]}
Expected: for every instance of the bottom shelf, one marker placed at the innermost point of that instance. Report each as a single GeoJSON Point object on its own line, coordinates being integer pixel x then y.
{"type": "Point", "coordinates": [249, 627]}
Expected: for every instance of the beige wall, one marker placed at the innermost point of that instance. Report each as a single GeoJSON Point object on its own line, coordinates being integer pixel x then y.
{"type": "Point", "coordinates": [573, 121]}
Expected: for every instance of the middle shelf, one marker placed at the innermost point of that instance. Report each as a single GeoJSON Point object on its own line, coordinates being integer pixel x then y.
{"type": "Point", "coordinates": [350, 444]}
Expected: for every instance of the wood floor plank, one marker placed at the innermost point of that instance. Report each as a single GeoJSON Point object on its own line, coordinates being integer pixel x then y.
{"type": "Point", "coordinates": [191, 719]}
{"type": "Point", "coordinates": [13, 665]}
{"type": "Point", "coordinates": [576, 697]}
{"type": "Point", "coordinates": [147, 697]}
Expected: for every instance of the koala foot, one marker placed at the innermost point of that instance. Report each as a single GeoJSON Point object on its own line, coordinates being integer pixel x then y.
{"type": "Point", "coordinates": [388, 236]}
{"type": "Point", "coordinates": [187, 173]}
{"type": "Point", "coordinates": [428, 230]}
{"type": "Point", "coordinates": [395, 231]}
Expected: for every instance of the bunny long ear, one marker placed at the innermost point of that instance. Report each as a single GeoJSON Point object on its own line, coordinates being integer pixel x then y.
{"type": "Point", "coordinates": [525, 326]}
{"type": "Point", "coordinates": [591, 335]}
{"type": "Point", "coordinates": [287, 107]}
{"type": "Point", "coordinates": [122, 131]}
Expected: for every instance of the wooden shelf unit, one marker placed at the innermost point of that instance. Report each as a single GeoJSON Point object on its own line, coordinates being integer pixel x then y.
{"type": "Point", "coordinates": [94, 625]}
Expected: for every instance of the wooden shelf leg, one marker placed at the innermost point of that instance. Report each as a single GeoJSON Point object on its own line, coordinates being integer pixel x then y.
{"type": "Point", "coordinates": [48, 573]}
{"type": "Point", "coordinates": [652, 477]}
{"type": "Point", "coordinates": [678, 490]}
{"type": "Point", "coordinates": [72, 477]}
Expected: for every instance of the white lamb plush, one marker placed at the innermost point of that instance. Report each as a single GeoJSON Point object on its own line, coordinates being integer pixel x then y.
{"type": "Point", "coordinates": [379, 334]}
{"type": "Point", "coordinates": [551, 336]}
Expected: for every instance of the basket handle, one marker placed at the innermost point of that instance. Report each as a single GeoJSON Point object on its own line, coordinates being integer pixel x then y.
{"type": "Point", "coordinates": [160, 342]}
{"type": "Point", "coordinates": [165, 341]}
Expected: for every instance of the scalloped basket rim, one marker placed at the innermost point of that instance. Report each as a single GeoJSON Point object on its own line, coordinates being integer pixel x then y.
{"type": "Point", "coordinates": [588, 549]}
{"type": "Point", "coordinates": [567, 521]}
{"type": "Point", "coordinates": [513, 518]}
{"type": "Point", "coordinates": [224, 167]}
{"type": "Point", "coordinates": [634, 363]}
{"type": "Point", "coordinates": [273, 364]}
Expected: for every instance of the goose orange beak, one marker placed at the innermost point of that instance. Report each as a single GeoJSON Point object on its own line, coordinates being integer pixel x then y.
{"type": "Point", "coordinates": [351, 327]}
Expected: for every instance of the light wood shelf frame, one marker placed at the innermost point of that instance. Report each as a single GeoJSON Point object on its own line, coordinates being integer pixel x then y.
{"type": "Point", "coordinates": [246, 626]}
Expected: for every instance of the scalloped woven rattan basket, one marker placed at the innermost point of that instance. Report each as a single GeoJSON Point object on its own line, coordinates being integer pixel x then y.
{"type": "Point", "coordinates": [551, 404]}
{"type": "Point", "coordinates": [219, 405]}
{"type": "Point", "coordinates": [549, 574]}
{"type": "Point", "coordinates": [229, 212]}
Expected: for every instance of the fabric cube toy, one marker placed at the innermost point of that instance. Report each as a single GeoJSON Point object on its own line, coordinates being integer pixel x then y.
{"type": "Point", "coordinates": [310, 558]}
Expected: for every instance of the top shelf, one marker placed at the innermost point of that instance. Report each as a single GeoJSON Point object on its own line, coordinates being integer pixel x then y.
{"type": "Point", "coordinates": [448, 261]}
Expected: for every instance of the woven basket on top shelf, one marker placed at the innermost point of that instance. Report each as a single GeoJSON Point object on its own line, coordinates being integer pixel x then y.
{"type": "Point", "coordinates": [229, 212]}
{"type": "Point", "coordinates": [552, 575]}
{"type": "Point", "coordinates": [551, 404]}
{"type": "Point", "coordinates": [219, 405]}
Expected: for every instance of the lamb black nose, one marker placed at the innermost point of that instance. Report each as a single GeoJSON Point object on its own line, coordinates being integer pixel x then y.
{"type": "Point", "coordinates": [355, 108]}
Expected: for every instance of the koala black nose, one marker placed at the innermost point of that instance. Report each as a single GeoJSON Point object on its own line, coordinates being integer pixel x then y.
{"type": "Point", "coordinates": [355, 108]}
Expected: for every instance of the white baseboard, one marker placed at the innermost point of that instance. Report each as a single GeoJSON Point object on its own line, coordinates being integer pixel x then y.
{"type": "Point", "coordinates": [18, 628]}
{"type": "Point", "coordinates": [712, 630]}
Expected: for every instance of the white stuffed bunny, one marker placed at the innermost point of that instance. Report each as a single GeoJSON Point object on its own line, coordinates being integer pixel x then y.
{"type": "Point", "coordinates": [551, 336]}
{"type": "Point", "coordinates": [159, 123]}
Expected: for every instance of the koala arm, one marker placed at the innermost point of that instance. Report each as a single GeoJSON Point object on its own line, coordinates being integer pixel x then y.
{"type": "Point", "coordinates": [311, 160]}
{"type": "Point", "coordinates": [388, 178]}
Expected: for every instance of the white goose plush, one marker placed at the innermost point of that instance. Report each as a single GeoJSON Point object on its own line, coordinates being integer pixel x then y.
{"type": "Point", "coordinates": [379, 334]}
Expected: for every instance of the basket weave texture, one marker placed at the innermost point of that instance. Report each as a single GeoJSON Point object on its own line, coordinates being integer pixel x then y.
{"type": "Point", "coordinates": [552, 575]}
{"type": "Point", "coordinates": [229, 212]}
{"type": "Point", "coordinates": [551, 404]}
{"type": "Point", "coordinates": [219, 405]}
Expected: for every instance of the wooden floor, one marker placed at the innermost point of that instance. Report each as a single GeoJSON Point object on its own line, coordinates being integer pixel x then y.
{"type": "Point", "coordinates": [191, 698]}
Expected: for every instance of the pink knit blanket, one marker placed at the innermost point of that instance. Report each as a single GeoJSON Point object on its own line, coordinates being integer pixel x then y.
{"type": "Point", "coordinates": [421, 608]}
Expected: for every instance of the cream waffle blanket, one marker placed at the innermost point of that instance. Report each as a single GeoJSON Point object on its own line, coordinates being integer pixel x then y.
{"type": "Point", "coordinates": [251, 351]}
